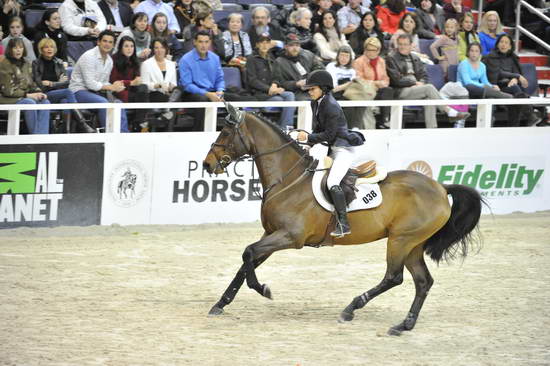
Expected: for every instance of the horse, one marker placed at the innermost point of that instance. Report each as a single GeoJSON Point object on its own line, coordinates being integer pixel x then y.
{"type": "Point", "coordinates": [127, 183]}
{"type": "Point", "coordinates": [415, 215]}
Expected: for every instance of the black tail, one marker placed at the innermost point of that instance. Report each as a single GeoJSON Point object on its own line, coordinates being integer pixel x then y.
{"type": "Point", "coordinates": [455, 236]}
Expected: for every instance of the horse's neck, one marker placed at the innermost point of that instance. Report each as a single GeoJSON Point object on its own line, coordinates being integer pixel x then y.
{"type": "Point", "coordinates": [272, 167]}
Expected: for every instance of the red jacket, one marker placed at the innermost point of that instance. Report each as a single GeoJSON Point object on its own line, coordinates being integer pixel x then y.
{"type": "Point", "coordinates": [126, 77]}
{"type": "Point", "coordinates": [389, 21]}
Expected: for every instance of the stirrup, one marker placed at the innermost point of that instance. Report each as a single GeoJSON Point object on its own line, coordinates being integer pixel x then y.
{"type": "Point", "coordinates": [339, 231]}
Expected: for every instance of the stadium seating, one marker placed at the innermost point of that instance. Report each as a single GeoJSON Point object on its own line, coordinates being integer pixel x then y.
{"type": "Point", "coordinates": [232, 7]}
{"type": "Point", "coordinates": [33, 17]}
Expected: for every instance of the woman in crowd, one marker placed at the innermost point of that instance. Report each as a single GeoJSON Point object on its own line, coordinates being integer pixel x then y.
{"type": "Point", "coordinates": [455, 9]}
{"type": "Point", "coordinates": [366, 29]}
{"type": "Point", "coordinates": [318, 8]}
{"type": "Point", "coordinates": [126, 68]}
{"type": "Point", "coordinates": [185, 14]}
{"type": "Point", "coordinates": [432, 19]}
{"type": "Point", "coordinates": [8, 10]}
{"type": "Point", "coordinates": [466, 35]}
{"type": "Point", "coordinates": [489, 29]}
{"type": "Point", "coordinates": [390, 15]}
{"type": "Point", "coordinates": [237, 43]}
{"type": "Point", "coordinates": [448, 44]}
{"type": "Point", "coordinates": [301, 19]}
{"type": "Point", "coordinates": [138, 32]}
{"type": "Point", "coordinates": [50, 27]}
{"type": "Point", "coordinates": [17, 86]}
{"type": "Point", "coordinates": [159, 74]}
{"type": "Point", "coordinates": [504, 70]}
{"type": "Point", "coordinates": [328, 37]}
{"type": "Point", "coordinates": [409, 25]}
{"type": "Point", "coordinates": [15, 25]}
{"type": "Point", "coordinates": [371, 67]}
{"type": "Point", "coordinates": [204, 21]}
{"type": "Point", "coordinates": [159, 30]}
{"type": "Point", "coordinates": [50, 74]}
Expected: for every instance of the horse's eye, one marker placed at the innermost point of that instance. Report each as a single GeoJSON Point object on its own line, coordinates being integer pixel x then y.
{"type": "Point", "coordinates": [225, 133]}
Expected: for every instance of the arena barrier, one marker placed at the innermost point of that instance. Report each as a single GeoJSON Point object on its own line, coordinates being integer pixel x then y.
{"type": "Point", "coordinates": [157, 178]}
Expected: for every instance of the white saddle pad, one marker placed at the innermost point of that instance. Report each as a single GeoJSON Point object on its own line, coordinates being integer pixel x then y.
{"type": "Point", "coordinates": [369, 195]}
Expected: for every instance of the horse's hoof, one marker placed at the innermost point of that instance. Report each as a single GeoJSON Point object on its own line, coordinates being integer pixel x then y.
{"type": "Point", "coordinates": [396, 331]}
{"type": "Point", "coordinates": [266, 292]}
{"type": "Point", "coordinates": [345, 317]}
{"type": "Point", "coordinates": [215, 311]}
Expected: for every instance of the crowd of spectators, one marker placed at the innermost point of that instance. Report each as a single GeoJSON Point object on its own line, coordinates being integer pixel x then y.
{"type": "Point", "coordinates": [156, 51]}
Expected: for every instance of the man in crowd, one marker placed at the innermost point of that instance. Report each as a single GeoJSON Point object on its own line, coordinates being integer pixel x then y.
{"type": "Point", "coordinates": [201, 77]}
{"type": "Point", "coordinates": [409, 79]}
{"type": "Point", "coordinates": [293, 66]}
{"type": "Point", "coordinates": [118, 14]}
{"type": "Point", "coordinates": [82, 18]}
{"type": "Point", "coordinates": [261, 25]}
{"type": "Point", "coordinates": [283, 16]}
{"type": "Point", "coordinates": [350, 16]}
{"type": "Point", "coordinates": [151, 7]}
{"type": "Point", "coordinates": [90, 78]}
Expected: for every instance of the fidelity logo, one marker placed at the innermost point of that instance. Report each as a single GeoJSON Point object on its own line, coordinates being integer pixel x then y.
{"type": "Point", "coordinates": [128, 183]}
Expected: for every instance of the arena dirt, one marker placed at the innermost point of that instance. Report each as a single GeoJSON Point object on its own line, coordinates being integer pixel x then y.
{"type": "Point", "coordinates": [139, 296]}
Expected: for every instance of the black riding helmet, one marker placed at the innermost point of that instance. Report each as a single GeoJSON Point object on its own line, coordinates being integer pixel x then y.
{"type": "Point", "coordinates": [320, 78]}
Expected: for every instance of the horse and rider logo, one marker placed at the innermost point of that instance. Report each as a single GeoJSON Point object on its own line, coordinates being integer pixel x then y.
{"type": "Point", "coordinates": [128, 183]}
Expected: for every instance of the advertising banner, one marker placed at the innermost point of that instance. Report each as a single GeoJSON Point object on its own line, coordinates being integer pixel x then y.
{"type": "Point", "coordinates": [51, 184]}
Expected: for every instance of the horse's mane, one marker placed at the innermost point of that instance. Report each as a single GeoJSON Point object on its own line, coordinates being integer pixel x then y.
{"type": "Point", "coordinates": [286, 138]}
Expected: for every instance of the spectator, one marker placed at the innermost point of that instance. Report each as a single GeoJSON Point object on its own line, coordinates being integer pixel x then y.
{"type": "Point", "coordinates": [138, 32]}
{"type": "Point", "coordinates": [261, 25]}
{"type": "Point", "coordinates": [82, 18]}
{"type": "Point", "coordinates": [18, 87]}
{"type": "Point", "coordinates": [16, 31]}
{"type": "Point", "coordinates": [118, 14]}
{"type": "Point", "coordinates": [237, 43]}
{"type": "Point", "coordinates": [328, 37]}
{"type": "Point", "coordinates": [349, 17]}
{"type": "Point", "coordinates": [371, 67]}
{"type": "Point", "coordinates": [505, 8]}
{"type": "Point", "coordinates": [369, 28]}
{"type": "Point", "coordinates": [204, 22]}
{"type": "Point", "coordinates": [152, 7]}
{"type": "Point", "coordinates": [455, 10]}
{"type": "Point", "coordinates": [160, 76]}
{"type": "Point", "coordinates": [302, 22]}
{"type": "Point", "coordinates": [432, 19]}
{"type": "Point", "coordinates": [282, 18]}
{"type": "Point", "coordinates": [50, 74]}
{"type": "Point", "coordinates": [261, 84]}
{"type": "Point", "coordinates": [159, 30]}
{"type": "Point", "coordinates": [201, 77]}
{"type": "Point", "coordinates": [50, 27]}
{"type": "Point", "coordinates": [185, 14]}
{"type": "Point", "coordinates": [448, 44]}
{"type": "Point", "coordinates": [409, 79]}
{"type": "Point", "coordinates": [467, 35]}
{"type": "Point", "coordinates": [10, 9]}
{"type": "Point", "coordinates": [389, 15]}
{"type": "Point", "coordinates": [293, 66]}
{"type": "Point", "coordinates": [317, 13]}
{"type": "Point", "coordinates": [126, 68]}
{"type": "Point", "coordinates": [504, 70]}
{"type": "Point", "coordinates": [489, 30]}
{"type": "Point", "coordinates": [90, 77]}
{"type": "Point", "coordinates": [409, 25]}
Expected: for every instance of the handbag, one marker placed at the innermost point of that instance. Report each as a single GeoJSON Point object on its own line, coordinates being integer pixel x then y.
{"type": "Point", "coordinates": [360, 89]}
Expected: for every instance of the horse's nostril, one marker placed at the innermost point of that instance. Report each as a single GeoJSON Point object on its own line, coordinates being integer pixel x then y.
{"type": "Point", "coordinates": [206, 166]}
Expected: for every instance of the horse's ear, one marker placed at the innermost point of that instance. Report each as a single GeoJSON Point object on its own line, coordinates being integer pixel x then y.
{"type": "Point", "coordinates": [236, 116]}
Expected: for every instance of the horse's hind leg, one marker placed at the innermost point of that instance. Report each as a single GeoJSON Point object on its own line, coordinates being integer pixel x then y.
{"type": "Point", "coordinates": [395, 256]}
{"type": "Point", "coordinates": [422, 282]}
{"type": "Point", "coordinates": [234, 287]}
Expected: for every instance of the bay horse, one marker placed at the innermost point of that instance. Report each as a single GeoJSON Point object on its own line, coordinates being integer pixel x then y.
{"type": "Point", "coordinates": [415, 214]}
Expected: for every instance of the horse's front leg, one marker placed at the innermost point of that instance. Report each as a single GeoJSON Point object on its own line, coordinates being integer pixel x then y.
{"type": "Point", "coordinates": [254, 255]}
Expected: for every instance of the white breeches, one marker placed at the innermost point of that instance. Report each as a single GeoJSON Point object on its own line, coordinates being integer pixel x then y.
{"type": "Point", "coordinates": [343, 160]}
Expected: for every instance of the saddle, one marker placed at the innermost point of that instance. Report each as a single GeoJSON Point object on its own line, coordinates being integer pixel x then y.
{"type": "Point", "coordinates": [364, 173]}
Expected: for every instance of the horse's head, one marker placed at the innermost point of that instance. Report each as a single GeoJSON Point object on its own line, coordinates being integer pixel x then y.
{"type": "Point", "coordinates": [231, 144]}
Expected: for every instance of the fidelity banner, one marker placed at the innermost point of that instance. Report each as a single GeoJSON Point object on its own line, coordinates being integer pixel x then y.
{"type": "Point", "coordinates": [51, 184]}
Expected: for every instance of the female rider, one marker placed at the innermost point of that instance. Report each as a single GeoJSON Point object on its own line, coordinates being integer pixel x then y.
{"type": "Point", "coordinates": [331, 127]}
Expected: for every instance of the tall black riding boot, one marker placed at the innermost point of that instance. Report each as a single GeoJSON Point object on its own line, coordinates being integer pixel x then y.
{"type": "Point", "coordinates": [339, 201]}
{"type": "Point", "coordinates": [81, 124]}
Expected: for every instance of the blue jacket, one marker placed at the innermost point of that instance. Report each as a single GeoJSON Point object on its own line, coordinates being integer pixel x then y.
{"type": "Point", "coordinates": [330, 124]}
{"type": "Point", "coordinates": [467, 75]}
{"type": "Point", "coordinates": [487, 42]}
{"type": "Point", "coordinates": [199, 76]}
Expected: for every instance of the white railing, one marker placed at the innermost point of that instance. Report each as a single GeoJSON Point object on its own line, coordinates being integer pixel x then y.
{"type": "Point", "coordinates": [484, 110]}
{"type": "Point", "coordinates": [520, 29]}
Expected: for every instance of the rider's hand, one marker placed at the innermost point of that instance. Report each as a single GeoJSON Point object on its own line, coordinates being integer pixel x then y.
{"type": "Point", "coordinates": [302, 136]}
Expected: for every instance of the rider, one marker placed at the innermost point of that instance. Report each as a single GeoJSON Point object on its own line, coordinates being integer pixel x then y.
{"type": "Point", "coordinates": [330, 126]}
